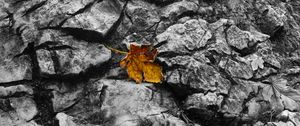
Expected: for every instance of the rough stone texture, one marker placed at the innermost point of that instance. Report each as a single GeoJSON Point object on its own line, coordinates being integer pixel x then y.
{"type": "Point", "coordinates": [69, 56]}
{"type": "Point", "coordinates": [182, 38]}
{"type": "Point", "coordinates": [112, 102]}
{"type": "Point", "coordinates": [225, 62]}
{"type": "Point", "coordinates": [14, 90]}
{"type": "Point", "coordinates": [18, 111]}
{"type": "Point", "coordinates": [13, 68]}
{"type": "Point", "coordinates": [243, 39]}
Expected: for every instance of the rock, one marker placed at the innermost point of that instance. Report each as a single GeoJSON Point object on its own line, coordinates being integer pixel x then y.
{"type": "Point", "coordinates": [243, 39]}
{"type": "Point", "coordinates": [265, 72]}
{"type": "Point", "coordinates": [143, 15]}
{"type": "Point", "coordinates": [71, 56]}
{"type": "Point", "coordinates": [25, 107]}
{"type": "Point", "coordinates": [13, 68]}
{"type": "Point", "coordinates": [273, 18]}
{"type": "Point", "coordinates": [203, 104]}
{"type": "Point", "coordinates": [195, 75]}
{"type": "Point", "coordinates": [65, 120]}
{"type": "Point", "coordinates": [65, 93]}
{"type": "Point", "coordinates": [238, 93]}
{"type": "Point", "coordinates": [10, 119]}
{"type": "Point", "coordinates": [173, 10]}
{"type": "Point", "coordinates": [98, 16]}
{"type": "Point", "coordinates": [218, 30]}
{"type": "Point", "coordinates": [50, 13]}
{"type": "Point", "coordinates": [293, 117]}
{"type": "Point", "coordinates": [15, 90]}
{"type": "Point", "coordinates": [182, 38]}
{"type": "Point", "coordinates": [45, 61]}
{"type": "Point", "coordinates": [269, 56]}
{"type": "Point", "coordinates": [237, 69]}
{"type": "Point", "coordinates": [112, 102]}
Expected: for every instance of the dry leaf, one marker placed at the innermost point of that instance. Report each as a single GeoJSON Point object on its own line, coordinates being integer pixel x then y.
{"type": "Point", "coordinates": [140, 65]}
{"type": "Point", "coordinates": [283, 93]}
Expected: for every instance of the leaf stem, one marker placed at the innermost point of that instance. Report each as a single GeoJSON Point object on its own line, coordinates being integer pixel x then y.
{"type": "Point", "coordinates": [115, 50]}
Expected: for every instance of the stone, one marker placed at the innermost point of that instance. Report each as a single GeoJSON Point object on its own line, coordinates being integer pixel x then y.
{"type": "Point", "coordinates": [237, 69]}
{"type": "Point", "coordinates": [13, 90]}
{"type": "Point", "coordinates": [98, 17]}
{"type": "Point", "coordinates": [143, 15]}
{"type": "Point", "coordinates": [182, 38]}
{"type": "Point", "coordinates": [175, 9]}
{"type": "Point", "coordinates": [201, 101]}
{"type": "Point", "coordinates": [25, 107]}
{"type": "Point", "coordinates": [73, 57]}
{"type": "Point", "coordinates": [218, 29]}
{"type": "Point", "coordinates": [65, 120]}
{"type": "Point", "coordinates": [13, 68]}
{"type": "Point", "coordinates": [195, 75]}
{"type": "Point", "coordinates": [65, 93]}
{"type": "Point", "coordinates": [243, 39]}
{"type": "Point", "coordinates": [238, 93]}
{"type": "Point", "coordinates": [116, 101]}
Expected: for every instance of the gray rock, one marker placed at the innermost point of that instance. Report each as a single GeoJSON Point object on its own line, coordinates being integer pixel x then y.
{"type": "Point", "coordinates": [12, 90]}
{"type": "Point", "coordinates": [242, 39]}
{"type": "Point", "coordinates": [195, 75]}
{"type": "Point", "coordinates": [143, 15]}
{"type": "Point", "coordinates": [273, 18]}
{"type": "Point", "coordinates": [182, 38]}
{"type": "Point", "coordinates": [73, 57]}
{"type": "Point", "coordinates": [201, 101]}
{"type": "Point", "coordinates": [236, 68]}
{"type": "Point", "coordinates": [98, 17]}
{"type": "Point", "coordinates": [218, 29]}
{"type": "Point", "coordinates": [65, 120]}
{"type": "Point", "coordinates": [13, 68]}
{"type": "Point", "coordinates": [175, 9]}
{"type": "Point", "coordinates": [114, 102]}
{"type": "Point", "coordinates": [25, 107]}
{"type": "Point", "coordinates": [65, 94]}
{"type": "Point", "coordinates": [238, 93]}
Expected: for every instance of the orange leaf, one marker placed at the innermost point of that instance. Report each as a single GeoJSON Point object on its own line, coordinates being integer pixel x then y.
{"type": "Point", "coordinates": [140, 65]}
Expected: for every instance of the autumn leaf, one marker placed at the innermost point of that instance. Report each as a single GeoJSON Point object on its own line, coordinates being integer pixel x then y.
{"type": "Point", "coordinates": [140, 64]}
{"type": "Point", "coordinates": [284, 94]}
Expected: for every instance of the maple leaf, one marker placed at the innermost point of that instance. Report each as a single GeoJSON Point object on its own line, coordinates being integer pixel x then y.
{"type": "Point", "coordinates": [284, 94]}
{"type": "Point", "coordinates": [140, 65]}
{"type": "Point", "coordinates": [256, 62]}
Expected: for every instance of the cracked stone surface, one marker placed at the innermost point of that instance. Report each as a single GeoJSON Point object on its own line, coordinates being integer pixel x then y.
{"type": "Point", "coordinates": [225, 63]}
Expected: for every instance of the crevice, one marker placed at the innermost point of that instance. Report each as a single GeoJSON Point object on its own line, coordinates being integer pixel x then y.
{"type": "Point", "coordinates": [91, 72]}
{"type": "Point", "coordinates": [15, 83]}
{"type": "Point", "coordinates": [246, 51]}
{"type": "Point", "coordinates": [34, 7]}
{"type": "Point", "coordinates": [262, 78]}
{"type": "Point", "coordinates": [16, 95]}
{"type": "Point", "coordinates": [187, 14]}
{"type": "Point", "coordinates": [82, 10]}
{"type": "Point", "coordinates": [56, 63]}
{"type": "Point", "coordinates": [91, 35]}
{"type": "Point", "coordinates": [161, 3]}
{"type": "Point", "coordinates": [103, 95]}
{"type": "Point", "coordinates": [227, 75]}
{"type": "Point", "coordinates": [46, 113]}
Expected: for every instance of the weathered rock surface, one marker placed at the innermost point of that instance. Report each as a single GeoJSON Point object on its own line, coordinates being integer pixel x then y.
{"type": "Point", "coordinates": [112, 102]}
{"type": "Point", "coordinates": [230, 62]}
{"type": "Point", "coordinates": [13, 68]}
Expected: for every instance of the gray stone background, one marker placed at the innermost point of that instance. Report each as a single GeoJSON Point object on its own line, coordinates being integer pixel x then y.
{"type": "Point", "coordinates": [225, 62]}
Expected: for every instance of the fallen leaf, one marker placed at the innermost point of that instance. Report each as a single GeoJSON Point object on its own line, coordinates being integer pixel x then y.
{"type": "Point", "coordinates": [284, 94]}
{"type": "Point", "coordinates": [140, 65]}
{"type": "Point", "coordinates": [256, 62]}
